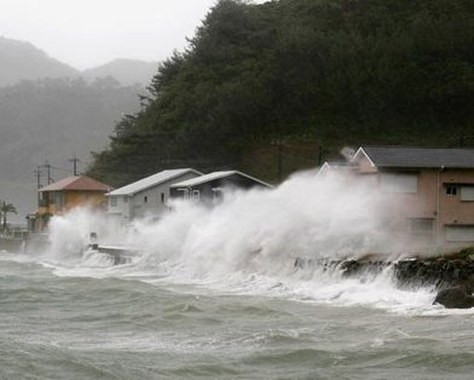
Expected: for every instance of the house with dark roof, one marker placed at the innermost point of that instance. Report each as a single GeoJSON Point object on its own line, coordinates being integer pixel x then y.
{"type": "Point", "coordinates": [210, 187]}
{"type": "Point", "coordinates": [66, 194]}
{"type": "Point", "coordinates": [147, 197]}
{"type": "Point", "coordinates": [432, 189]}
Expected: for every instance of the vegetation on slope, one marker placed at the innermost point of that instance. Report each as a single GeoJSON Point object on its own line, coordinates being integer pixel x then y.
{"type": "Point", "coordinates": [261, 87]}
{"type": "Point", "coordinates": [22, 61]}
{"type": "Point", "coordinates": [54, 120]}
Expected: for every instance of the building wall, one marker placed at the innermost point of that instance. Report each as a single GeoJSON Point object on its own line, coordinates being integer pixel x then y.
{"type": "Point", "coordinates": [420, 204]}
{"type": "Point", "coordinates": [152, 202]}
{"type": "Point", "coordinates": [120, 206]}
{"type": "Point", "coordinates": [454, 210]}
{"type": "Point", "coordinates": [431, 202]}
{"type": "Point", "coordinates": [85, 198]}
{"type": "Point", "coordinates": [208, 191]}
{"type": "Point", "coordinates": [60, 202]}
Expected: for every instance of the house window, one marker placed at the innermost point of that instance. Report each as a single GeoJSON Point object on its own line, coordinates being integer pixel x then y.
{"type": "Point", "coordinates": [399, 182]}
{"type": "Point", "coordinates": [125, 199]}
{"type": "Point", "coordinates": [467, 193]}
{"type": "Point", "coordinates": [463, 233]}
{"type": "Point", "coordinates": [421, 226]}
{"type": "Point", "coordinates": [183, 193]}
{"type": "Point", "coordinates": [145, 199]}
{"type": "Point", "coordinates": [451, 190]}
{"type": "Point", "coordinates": [113, 201]}
{"type": "Point", "coordinates": [162, 197]}
{"type": "Point", "coordinates": [196, 194]}
{"type": "Point", "coordinates": [59, 201]}
{"type": "Point", "coordinates": [217, 193]}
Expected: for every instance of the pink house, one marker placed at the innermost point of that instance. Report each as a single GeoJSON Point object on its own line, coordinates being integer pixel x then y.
{"type": "Point", "coordinates": [432, 189]}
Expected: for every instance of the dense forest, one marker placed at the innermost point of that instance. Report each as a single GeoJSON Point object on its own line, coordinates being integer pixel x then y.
{"type": "Point", "coordinates": [275, 87]}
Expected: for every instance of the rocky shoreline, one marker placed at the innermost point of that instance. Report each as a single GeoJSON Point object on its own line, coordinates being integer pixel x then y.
{"type": "Point", "coordinates": [444, 273]}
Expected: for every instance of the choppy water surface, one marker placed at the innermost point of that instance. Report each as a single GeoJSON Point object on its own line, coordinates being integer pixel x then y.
{"type": "Point", "coordinates": [126, 322]}
{"type": "Point", "coordinates": [213, 293]}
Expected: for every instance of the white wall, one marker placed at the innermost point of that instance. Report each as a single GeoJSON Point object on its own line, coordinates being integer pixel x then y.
{"type": "Point", "coordinates": [146, 203]}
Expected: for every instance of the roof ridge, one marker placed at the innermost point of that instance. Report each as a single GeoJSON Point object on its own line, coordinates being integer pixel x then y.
{"type": "Point", "coordinates": [416, 147]}
{"type": "Point", "coordinates": [147, 182]}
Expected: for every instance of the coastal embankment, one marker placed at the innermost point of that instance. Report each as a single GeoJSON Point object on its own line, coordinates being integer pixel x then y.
{"type": "Point", "coordinates": [439, 272]}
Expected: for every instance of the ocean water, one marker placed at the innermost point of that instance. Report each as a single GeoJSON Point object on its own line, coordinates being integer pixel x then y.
{"type": "Point", "coordinates": [122, 322]}
{"type": "Point", "coordinates": [214, 293]}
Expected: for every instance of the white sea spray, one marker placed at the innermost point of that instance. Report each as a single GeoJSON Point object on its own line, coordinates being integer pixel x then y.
{"type": "Point", "coordinates": [249, 242]}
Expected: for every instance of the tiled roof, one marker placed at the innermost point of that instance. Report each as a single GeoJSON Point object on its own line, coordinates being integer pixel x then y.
{"type": "Point", "coordinates": [153, 180]}
{"type": "Point", "coordinates": [77, 183]}
{"type": "Point", "coordinates": [216, 175]}
{"type": "Point", "coordinates": [412, 157]}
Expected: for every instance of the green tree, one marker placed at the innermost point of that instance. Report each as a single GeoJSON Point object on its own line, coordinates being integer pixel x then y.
{"type": "Point", "coordinates": [335, 72]}
{"type": "Point", "coordinates": [5, 209]}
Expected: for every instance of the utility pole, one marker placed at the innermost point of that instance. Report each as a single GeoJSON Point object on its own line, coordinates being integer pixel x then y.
{"type": "Point", "coordinates": [47, 166]}
{"type": "Point", "coordinates": [75, 161]}
{"type": "Point", "coordinates": [38, 173]}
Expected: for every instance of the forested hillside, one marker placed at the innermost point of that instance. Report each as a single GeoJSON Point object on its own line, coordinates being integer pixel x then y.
{"type": "Point", "coordinates": [261, 87]}
{"type": "Point", "coordinates": [22, 61]}
{"type": "Point", "coordinates": [53, 120]}
{"type": "Point", "coordinates": [127, 71]}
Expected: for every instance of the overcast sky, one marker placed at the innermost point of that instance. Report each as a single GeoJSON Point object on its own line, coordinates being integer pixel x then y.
{"type": "Point", "coordinates": [87, 33]}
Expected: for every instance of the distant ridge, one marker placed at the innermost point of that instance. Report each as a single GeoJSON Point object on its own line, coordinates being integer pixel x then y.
{"type": "Point", "coordinates": [126, 71]}
{"type": "Point", "coordinates": [21, 60]}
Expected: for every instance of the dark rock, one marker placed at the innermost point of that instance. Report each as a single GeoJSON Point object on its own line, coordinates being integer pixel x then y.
{"type": "Point", "coordinates": [455, 298]}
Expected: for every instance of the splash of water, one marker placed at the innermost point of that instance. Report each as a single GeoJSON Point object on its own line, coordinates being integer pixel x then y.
{"type": "Point", "coordinates": [250, 240]}
{"type": "Point", "coordinates": [261, 230]}
{"type": "Point", "coordinates": [69, 235]}
{"type": "Point", "coordinates": [307, 216]}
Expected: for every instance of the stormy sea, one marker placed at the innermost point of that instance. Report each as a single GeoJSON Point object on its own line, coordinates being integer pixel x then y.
{"type": "Point", "coordinates": [214, 293]}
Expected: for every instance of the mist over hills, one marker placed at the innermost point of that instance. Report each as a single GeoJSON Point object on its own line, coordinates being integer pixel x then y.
{"type": "Point", "coordinates": [126, 71]}
{"type": "Point", "coordinates": [51, 111]}
{"type": "Point", "coordinates": [21, 60]}
{"type": "Point", "coordinates": [54, 120]}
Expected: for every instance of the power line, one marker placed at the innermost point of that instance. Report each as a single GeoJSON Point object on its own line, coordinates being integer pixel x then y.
{"type": "Point", "coordinates": [59, 168]}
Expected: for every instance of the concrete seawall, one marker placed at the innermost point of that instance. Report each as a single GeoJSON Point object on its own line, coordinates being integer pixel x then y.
{"type": "Point", "coordinates": [442, 272]}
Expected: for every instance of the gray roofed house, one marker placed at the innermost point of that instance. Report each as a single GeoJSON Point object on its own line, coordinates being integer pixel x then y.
{"type": "Point", "coordinates": [414, 157]}
{"type": "Point", "coordinates": [209, 187]}
{"type": "Point", "coordinates": [430, 191]}
{"type": "Point", "coordinates": [338, 166]}
{"type": "Point", "coordinates": [153, 180]}
{"type": "Point", "coordinates": [148, 196]}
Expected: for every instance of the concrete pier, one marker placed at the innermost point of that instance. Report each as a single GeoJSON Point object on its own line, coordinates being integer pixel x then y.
{"type": "Point", "coordinates": [120, 254]}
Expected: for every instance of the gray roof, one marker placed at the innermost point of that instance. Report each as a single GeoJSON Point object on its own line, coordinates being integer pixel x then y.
{"type": "Point", "coordinates": [413, 157]}
{"type": "Point", "coordinates": [216, 175]}
{"type": "Point", "coordinates": [153, 180]}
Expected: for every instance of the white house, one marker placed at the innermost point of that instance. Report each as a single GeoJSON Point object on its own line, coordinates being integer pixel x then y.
{"type": "Point", "coordinates": [147, 197]}
{"type": "Point", "coordinates": [208, 188]}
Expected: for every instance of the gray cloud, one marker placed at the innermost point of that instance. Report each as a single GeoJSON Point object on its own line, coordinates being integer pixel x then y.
{"type": "Point", "coordinates": [86, 33]}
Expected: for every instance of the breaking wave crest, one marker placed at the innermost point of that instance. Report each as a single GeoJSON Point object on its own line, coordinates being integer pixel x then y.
{"type": "Point", "coordinates": [249, 244]}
